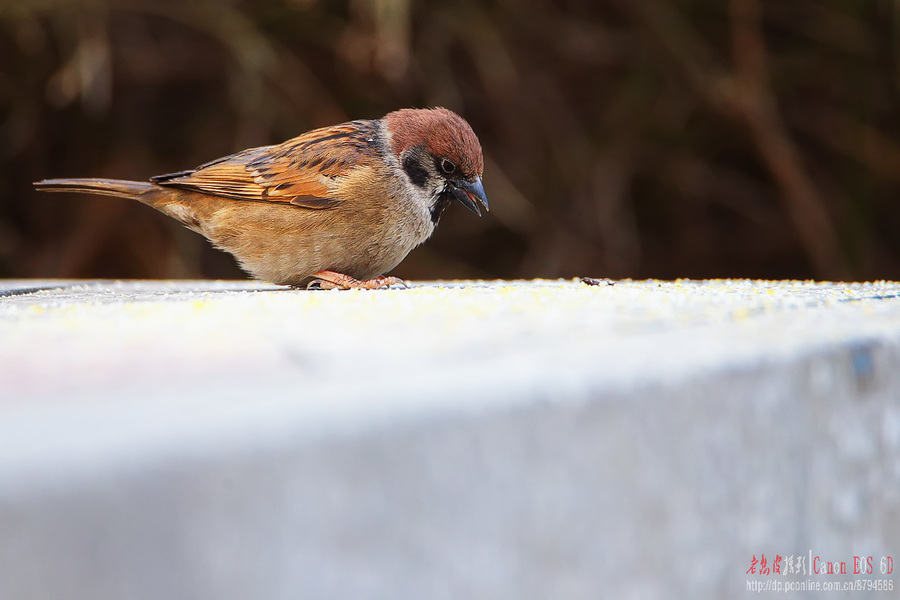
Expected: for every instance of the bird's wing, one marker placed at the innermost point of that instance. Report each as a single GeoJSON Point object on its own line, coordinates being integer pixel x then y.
{"type": "Point", "coordinates": [299, 171]}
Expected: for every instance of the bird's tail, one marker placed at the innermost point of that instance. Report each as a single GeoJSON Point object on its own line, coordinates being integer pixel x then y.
{"type": "Point", "coordinates": [105, 187]}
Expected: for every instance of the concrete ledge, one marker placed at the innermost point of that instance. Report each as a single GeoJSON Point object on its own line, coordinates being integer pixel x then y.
{"type": "Point", "coordinates": [541, 439]}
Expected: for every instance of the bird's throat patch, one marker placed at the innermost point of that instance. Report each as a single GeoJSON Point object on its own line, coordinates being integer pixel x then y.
{"type": "Point", "coordinates": [439, 206]}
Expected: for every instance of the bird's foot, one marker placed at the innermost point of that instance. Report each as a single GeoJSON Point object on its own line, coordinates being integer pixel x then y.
{"type": "Point", "coordinates": [330, 280]}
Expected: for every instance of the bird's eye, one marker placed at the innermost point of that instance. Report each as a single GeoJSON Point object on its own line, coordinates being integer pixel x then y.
{"type": "Point", "coordinates": [447, 166]}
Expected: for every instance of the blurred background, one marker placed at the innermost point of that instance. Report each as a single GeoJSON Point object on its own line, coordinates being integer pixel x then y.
{"type": "Point", "coordinates": [622, 138]}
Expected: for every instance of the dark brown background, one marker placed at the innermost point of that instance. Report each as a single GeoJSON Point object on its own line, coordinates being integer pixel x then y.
{"type": "Point", "coordinates": [623, 138]}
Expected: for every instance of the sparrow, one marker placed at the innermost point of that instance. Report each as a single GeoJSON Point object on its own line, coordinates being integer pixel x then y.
{"type": "Point", "coordinates": [336, 207]}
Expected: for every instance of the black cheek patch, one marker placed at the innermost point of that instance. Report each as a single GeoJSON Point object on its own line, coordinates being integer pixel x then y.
{"type": "Point", "coordinates": [416, 172]}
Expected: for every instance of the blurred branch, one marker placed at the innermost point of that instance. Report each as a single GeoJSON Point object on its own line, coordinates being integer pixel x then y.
{"type": "Point", "coordinates": [751, 98]}
{"type": "Point", "coordinates": [87, 74]}
{"type": "Point", "coordinates": [610, 191]}
{"type": "Point", "coordinates": [824, 25]}
{"type": "Point", "coordinates": [697, 177]}
{"type": "Point", "coordinates": [257, 54]}
{"type": "Point", "coordinates": [745, 95]}
{"type": "Point", "coordinates": [514, 211]}
{"type": "Point", "coordinates": [857, 140]}
{"type": "Point", "coordinates": [392, 24]}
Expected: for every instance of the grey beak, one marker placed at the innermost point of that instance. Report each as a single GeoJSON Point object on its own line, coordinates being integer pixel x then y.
{"type": "Point", "coordinates": [467, 192]}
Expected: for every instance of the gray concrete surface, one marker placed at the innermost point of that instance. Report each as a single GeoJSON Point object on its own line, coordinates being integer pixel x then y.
{"type": "Point", "coordinates": [542, 439]}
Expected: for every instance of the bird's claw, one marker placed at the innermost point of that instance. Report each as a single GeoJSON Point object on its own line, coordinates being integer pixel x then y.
{"type": "Point", "coordinates": [331, 280]}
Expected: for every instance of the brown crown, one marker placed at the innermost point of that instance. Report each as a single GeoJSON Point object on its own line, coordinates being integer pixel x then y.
{"type": "Point", "coordinates": [442, 133]}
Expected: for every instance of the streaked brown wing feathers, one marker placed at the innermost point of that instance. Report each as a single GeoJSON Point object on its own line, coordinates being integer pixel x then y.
{"type": "Point", "coordinates": [299, 171]}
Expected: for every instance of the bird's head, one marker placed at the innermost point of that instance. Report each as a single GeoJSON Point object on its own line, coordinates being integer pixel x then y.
{"type": "Point", "coordinates": [439, 152]}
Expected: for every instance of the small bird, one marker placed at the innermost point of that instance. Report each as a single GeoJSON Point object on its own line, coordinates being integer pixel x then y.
{"type": "Point", "coordinates": [336, 207]}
